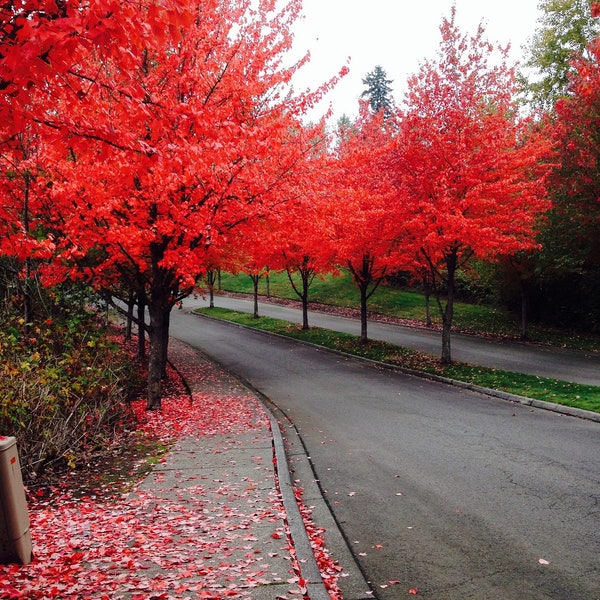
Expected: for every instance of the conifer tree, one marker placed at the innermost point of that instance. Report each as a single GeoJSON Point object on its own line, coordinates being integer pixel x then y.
{"type": "Point", "coordinates": [378, 91]}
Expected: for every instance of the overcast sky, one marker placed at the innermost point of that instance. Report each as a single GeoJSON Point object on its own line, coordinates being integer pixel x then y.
{"type": "Point", "coordinates": [396, 34]}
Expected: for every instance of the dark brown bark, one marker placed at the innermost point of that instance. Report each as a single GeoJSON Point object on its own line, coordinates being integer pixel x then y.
{"type": "Point", "coordinates": [427, 292]}
{"type": "Point", "coordinates": [159, 336]}
{"type": "Point", "coordinates": [129, 316]}
{"type": "Point", "coordinates": [211, 279]}
{"type": "Point", "coordinates": [367, 283]}
{"type": "Point", "coordinates": [363, 312]}
{"type": "Point", "coordinates": [307, 276]}
{"type": "Point", "coordinates": [163, 295]}
{"type": "Point", "coordinates": [27, 304]}
{"type": "Point", "coordinates": [164, 343]}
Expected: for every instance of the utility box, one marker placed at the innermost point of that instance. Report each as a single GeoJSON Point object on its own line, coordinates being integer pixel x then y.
{"type": "Point", "coordinates": [15, 538]}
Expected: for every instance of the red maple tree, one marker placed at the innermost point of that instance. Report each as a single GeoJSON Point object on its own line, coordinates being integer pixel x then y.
{"type": "Point", "coordinates": [364, 210]}
{"type": "Point", "coordinates": [168, 148]}
{"type": "Point", "coordinates": [472, 172]}
{"type": "Point", "coordinates": [254, 254]}
{"type": "Point", "coordinates": [49, 53]}
{"type": "Point", "coordinates": [573, 229]}
{"type": "Point", "coordinates": [301, 242]}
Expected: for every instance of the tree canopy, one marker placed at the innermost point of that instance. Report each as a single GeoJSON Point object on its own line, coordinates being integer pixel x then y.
{"type": "Point", "coordinates": [143, 154]}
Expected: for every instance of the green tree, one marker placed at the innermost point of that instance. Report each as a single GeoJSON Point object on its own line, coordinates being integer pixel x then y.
{"type": "Point", "coordinates": [566, 28]}
{"type": "Point", "coordinates": [378, 90]}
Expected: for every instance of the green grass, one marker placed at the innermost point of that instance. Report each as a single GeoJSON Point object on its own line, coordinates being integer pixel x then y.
{"type": "Point", "coordinates": [540, 388]}
{"type": "Point", "coordinates": [410, 304]}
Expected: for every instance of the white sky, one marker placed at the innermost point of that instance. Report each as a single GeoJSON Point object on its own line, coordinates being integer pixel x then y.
{"type": "Point", "coordinates": [396, 34]}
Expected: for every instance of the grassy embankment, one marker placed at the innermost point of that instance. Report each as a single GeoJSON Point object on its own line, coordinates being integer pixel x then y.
{"type": "Point", "coordinates": [410, 305]}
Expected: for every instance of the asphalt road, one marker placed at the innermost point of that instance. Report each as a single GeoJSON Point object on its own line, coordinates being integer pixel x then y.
{"type": "Point", "coordinates": [557, 363]}
{"type": "Point", "coordinates": [446, 491]}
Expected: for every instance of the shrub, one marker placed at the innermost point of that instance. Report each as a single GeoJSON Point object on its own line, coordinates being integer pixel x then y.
{"type": "Point", "coordinates": [64, 383]}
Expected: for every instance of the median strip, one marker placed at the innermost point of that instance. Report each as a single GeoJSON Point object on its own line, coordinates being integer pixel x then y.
{"type": "Point", "coordinates": [520, 385]}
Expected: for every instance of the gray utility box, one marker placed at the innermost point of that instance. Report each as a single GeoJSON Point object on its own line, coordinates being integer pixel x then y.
{"type": "Point", "coordinates": [15, 539]}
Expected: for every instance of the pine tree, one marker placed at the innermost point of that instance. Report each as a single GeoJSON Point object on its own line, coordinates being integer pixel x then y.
{"type": "Point", "coordinates": [378, 91]}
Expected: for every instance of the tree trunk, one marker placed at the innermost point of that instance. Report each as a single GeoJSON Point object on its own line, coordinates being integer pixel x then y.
{"type": "Point", "coordinates": [27, 303]}
{"type": "Point", "coordinates": [165, 343]}
{"type": "Point", "coordinates": [427, 290]}
{"type": "Point", "coordinates": [129, 318]}
{"type": "Point", "coordinates": [141, 306]}
{"type": "Point", "coordinates": [27, 311]}
{"type": "Point", "coordinates": [159, 335]}
{"type": "Point", "coordinates": [363, 312]}
{"type": "Point", "coordinates": [255, 280]}
{"type": "Point", "coordinates": [305, 286]}
{"type": "Point", "coordinates": [363, 277]}
{"type": "Point", "coordinates": [448, 313]}
{"type": "Point", "coordinates": [306, 276]}
{"type": "Point", "coordinates": [211, 277]}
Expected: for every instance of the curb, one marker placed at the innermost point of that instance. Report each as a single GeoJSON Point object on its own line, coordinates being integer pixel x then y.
{"type": "Point", "coordinates": [309, 570]}
{"type": "Point", "coordinates": [353, 585]}
{"type": "Point", "coordinates": [567, 411]}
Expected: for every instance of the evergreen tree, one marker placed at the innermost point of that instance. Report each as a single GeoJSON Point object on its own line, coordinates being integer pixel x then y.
{"type": "Point", "coordinates": [378, 90]}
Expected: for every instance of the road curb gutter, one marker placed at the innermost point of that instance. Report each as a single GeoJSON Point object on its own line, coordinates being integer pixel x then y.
{"type": "Point", "coordinates": [353, 585]}
{"type": "Point", "coordinates": [309, 571]}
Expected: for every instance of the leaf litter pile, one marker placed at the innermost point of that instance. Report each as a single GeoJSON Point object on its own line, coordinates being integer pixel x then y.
{"type": "Point", "coordinates": [196, 538]}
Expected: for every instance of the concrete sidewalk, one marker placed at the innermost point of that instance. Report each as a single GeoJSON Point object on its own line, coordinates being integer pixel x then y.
{"type": "Point", "coordinates": [233, 519]}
